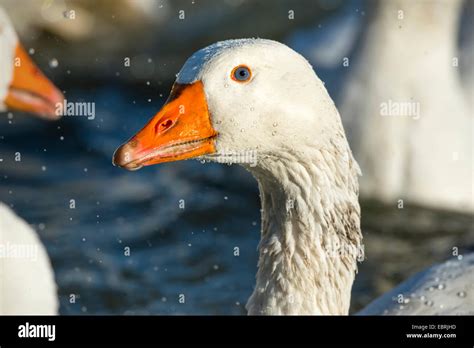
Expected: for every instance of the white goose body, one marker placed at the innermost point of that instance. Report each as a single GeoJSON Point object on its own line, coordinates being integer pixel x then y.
{"type": "Point", "coordinates": [407, 114]}
{"type": "Point", "coordinates": [278, 111]}
{"type": "Point", "coordinates": [27, 283]}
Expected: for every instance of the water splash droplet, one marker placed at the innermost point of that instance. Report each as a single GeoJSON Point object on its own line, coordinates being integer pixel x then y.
{"type": "Point", "coordinates": [31, 51]}
{"type": "Point", "coordinates": [429, 303]}
{"type": "Point", "coordinates": [274, 133]}
{"type": "Point", "coordinates": [53, 63]}
{"type": "Point", "coordinates": [441, 286]}
{"type": "Point", "coordinates": [275, 124]}
{"type": "Point", "coordinates": [461, 294]}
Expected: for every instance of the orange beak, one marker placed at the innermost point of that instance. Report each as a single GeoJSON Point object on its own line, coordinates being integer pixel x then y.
{"type": "Point", "coordinates": [181, 130]}
{"type": "Point", "coordinates": [30, 90]}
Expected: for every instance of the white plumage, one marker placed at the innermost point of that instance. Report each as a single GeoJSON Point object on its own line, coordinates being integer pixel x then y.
{"type": "Point", "coordinates": [405, 109]}
{"type": "Point", "coordinates": [26, 278]}
{"type": "Point", "coordinates": [444, 289]}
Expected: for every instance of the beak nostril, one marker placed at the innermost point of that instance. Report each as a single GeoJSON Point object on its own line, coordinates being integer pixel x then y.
{"type": "Point", "coordinates": [167, 124]}
{"type": "Point", "coordinates": [163, 126]}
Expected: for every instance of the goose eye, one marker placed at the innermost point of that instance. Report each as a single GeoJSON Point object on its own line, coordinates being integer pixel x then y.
{"type": "Point", "coordinates": [241, 73]}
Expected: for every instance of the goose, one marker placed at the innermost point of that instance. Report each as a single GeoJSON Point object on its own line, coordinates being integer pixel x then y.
{"type": "Point", "coordinates": [27, 283]}
{"type": "Point", "coordinates": [258, 103]}
{"type": "Point", "coordinates": [405, 91]}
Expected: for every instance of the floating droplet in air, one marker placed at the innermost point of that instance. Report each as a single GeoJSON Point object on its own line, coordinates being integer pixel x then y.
{"type": "Point", "coordinates": [53, 63]}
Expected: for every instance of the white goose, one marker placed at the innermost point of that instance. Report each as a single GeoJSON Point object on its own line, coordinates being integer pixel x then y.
{"type": "Point", "coordinates": [26, 278]}
{"type": "Point", "coordinates": [407, 117]}
{"type": "Point", "coordinates": [258, 103]}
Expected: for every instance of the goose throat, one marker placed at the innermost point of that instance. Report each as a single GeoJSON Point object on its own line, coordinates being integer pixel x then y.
{"type": "Point", "coordinates": [310, 235]}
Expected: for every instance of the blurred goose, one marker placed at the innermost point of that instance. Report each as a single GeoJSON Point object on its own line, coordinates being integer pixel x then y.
{"type": "Point", "coordinates": [407, 116]}
{"type": "Point", "coordinates": [26, 278]}
{"type": "Point", "coordinates": [258, 103]}
{"type": "Point", "coordinates": [466, 52]}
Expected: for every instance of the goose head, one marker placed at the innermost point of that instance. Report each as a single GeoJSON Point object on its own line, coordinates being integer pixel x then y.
{"type": "Point", "coordinates": [23, 86]}
{"type": "Point", "coordinates": [251, 98]}
{"type": "Point", "coordinates": [260, 104]}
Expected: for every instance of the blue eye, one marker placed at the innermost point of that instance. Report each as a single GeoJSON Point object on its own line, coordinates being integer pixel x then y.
{"type": "Point", "coordinates": [241, 73]}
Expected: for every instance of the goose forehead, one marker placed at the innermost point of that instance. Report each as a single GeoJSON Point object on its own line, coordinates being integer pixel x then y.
{"type": "Point", "coordinates": [230, 51]}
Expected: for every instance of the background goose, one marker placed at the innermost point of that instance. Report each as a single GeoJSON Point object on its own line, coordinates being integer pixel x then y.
{"type": "Point", "coordinates": [408, 117]}
{"type": "Point", "coordinates": [258, 103]}
{"type": "Point", "coordinates": [26, 278]}
{"type": "Point", "coordinates": [443, 289]}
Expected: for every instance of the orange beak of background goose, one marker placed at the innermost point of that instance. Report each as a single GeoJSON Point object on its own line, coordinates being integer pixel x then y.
{"type": "Point", "coordinates": [182, 129]}
{"type": "Point", "coordinates": [30, 90]}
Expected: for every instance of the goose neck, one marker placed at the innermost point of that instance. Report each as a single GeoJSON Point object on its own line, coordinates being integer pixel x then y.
{"type": "Point", "coordinates": [310, 235]}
